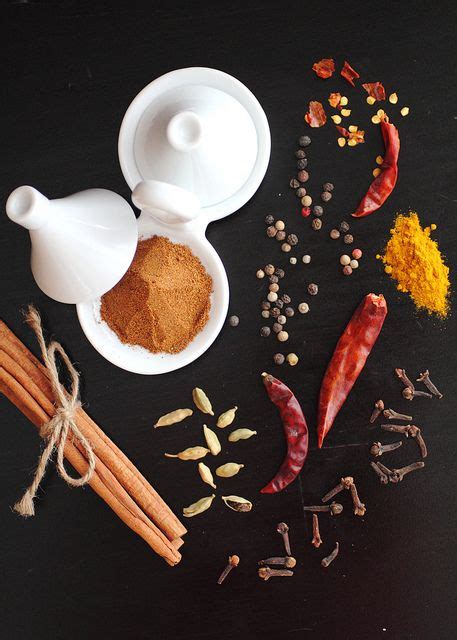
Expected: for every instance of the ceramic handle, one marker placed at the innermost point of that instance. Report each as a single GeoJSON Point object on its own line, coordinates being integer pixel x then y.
{"type": "Point", "coordinates": [167, 202]}
{"type": "Point", "coordinates": [28, 207]}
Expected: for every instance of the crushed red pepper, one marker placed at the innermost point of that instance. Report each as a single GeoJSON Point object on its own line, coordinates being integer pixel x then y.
{"type": "Point", "coordinates": [324, 68]}
{"type": "Point", "coordinates": [315, 116]}
{"type": "Point", "coordinates": [349, 73]}
{"type": "Point", "coordinates": [375, 90]}
{"type": "Point", "coordinates": [334, 99]}
{"type": "Point", "coordinates": [358, 136]}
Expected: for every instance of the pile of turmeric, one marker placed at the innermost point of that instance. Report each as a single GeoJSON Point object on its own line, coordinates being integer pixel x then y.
{"type": "Point", "coordinates": [414, 260]}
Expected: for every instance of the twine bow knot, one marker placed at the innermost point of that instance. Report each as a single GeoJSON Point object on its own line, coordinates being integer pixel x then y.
{"type": "Point", "coordinates": [62, 425]}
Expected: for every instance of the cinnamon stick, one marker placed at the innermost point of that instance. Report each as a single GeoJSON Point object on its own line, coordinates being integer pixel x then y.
{"type": "Point", "coordinates": [130, 478]}
{"type": "Point", "coordinates": [102, 481]}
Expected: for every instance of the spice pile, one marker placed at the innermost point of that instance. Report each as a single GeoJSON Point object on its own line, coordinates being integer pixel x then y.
{"type": "Point", "coordinates": [163, 300]}
{"type": "Point", "coordinates": [213, 446]}
{"type": "Point", "coordinates": [414, 260]}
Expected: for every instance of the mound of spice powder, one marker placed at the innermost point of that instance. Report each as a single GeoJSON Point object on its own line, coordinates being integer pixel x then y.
{"type": "Point", "coordinates": [414, 260]}
{"type": "Point", "coordinates": [163, 300]}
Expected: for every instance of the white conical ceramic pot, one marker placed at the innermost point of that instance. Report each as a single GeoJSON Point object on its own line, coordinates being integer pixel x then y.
{"type": "Point", "coordinates": [82, 245]}
{"type": "Point", "coordinates": [194, 147]}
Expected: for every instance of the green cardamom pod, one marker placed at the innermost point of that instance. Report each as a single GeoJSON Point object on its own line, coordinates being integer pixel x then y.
{"type": "Point", "coordinates": [202, 401]}
{"type": "Point", "coordinates": [228, 470]}
{"type": "Point", "coordinates": [237, 504]}
{"type": "Point", "coordinates": [173, 417]}
{"type": "Point", "coordinates": [241, 434]}
{"type": "Point", "coordinates": [192, 453]}
{"type": "Point", "coordinates": [212, 440]}
{"type": "Point", "coordinates": [226, 418]}
{"type": "Point", "coordinates": [198, 507]}
{"type": "Point", "coordinates": [205, 474]}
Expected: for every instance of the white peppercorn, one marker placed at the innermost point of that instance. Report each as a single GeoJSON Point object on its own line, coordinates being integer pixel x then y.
{"type": "Point", "coordinates": [293, 260]}
{"type": "Point", "coordinates": [272, 296]}
{"type": "Point", "coordinates": [344, 260]}
{"type": "Point", "coordinates": [286, 247]}
{"type": "Point", "coordinates": [292, 359]}
{"type": "Point", "coordinates": [334, 234]}
{"type": "Point", "coordinates": [265, 313]}
{"type": "Point", "coordinates": [273, 287]}
{"type": "Point", "coordinates": [354, 264]}
{"type": "Point", "coordinates": [282, 319]}
{"type": "Point", "coordinates": [260, 273]}
{"type": "Point", "coordinates": [283, 336]}
{"type": "Point", "coordinates": [234, 321]}
{"type": "Point", "coordinates": [280, 226]}
{"type": "Point", "coordinates": [306, 259]}
{"type": "Point", "coordinates": [303, 307]}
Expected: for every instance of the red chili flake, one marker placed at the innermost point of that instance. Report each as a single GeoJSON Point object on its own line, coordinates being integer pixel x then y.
{"type": "Point", "coordinates": [344, 132]}
{"type": "Point", "coordinates": [324, 68]}
{"type": "Point", "coordinates": [359, 136]}
{"type": "Point", "coordinates": [306, 211]}
{"type": "Point", "coordinates": [334, 99]}
{"type": "Point", "coordinates": [349, 73]}
{"type": "Point", "coordinates": [375, 90]}
{"type": "Point", "coordinates": [316, 115]}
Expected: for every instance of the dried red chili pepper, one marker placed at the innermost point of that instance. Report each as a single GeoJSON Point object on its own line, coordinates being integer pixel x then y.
{"type": "Point", "coordinates": [382, 186]}
{"type": "Point", "coordinates": [316, 115]}
{"type": "Point", "coordinates": [375, 90]}
{"type": "Point", "coordinates": [324, 68]}
{"type": "Point", "coordinates": [348, 360]}
{"type": "Point", "coordinates": [349, 73]}
{"type": "Point", "coordinates": [334, 99]}
{"type": "Point", "coordinates": [295, 430]}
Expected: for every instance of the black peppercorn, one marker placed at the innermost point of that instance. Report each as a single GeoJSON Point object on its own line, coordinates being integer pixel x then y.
{"type": "Point", "coordinates": [279, 303]}
{"type": "Point", "coordinates": [289, 312]}
{"type": "Point", "coordinates": [328, 186]}
{"type": "Point", "coordinates": [326, 196]}
{"type": "Point", "coordinates": [276, 327]}
{"type": "Point", "coordinates": [303, 176]}
{"type": "Point", "coordinates": [278, 358]}
{"type": "Point", "coordinates": [275, 312]}
{"type": "Point", "coordinates": [302, 164]}
{"type": "Point", "coordinates": [269, 220]}
{"type": "Point", "coordinates": [292, 239]}
{"type": "Point", "coordinates": [316, 224]}
{"type": "Point", "coordinates": [279, 272]}
{"type": "Point", "coordinates": [344, 226]}
{"type": "Point", "coordinates": [300, 154]}
{"type": "Point", "coordinates": [301, 191]}
{"type": "Point", "coordinates": [348, 238]}
{"type": "Point", "coordinates": [304, 141]}
{"type": "Point", "coordinates": [285, 298]}
{"type": "Point", "coordinates": [294, 184]}
{"type": "Point", "coordinates": [265, 332]}
{"type": "Point", "coordinates": [313, 289]}
{"type": "Point", "coordinates": [271, 232]}
{"type": "Point", "coordinates": [273, 279]}
{"type": "Point", "coordinates": [265, 304]}
{"type": "Point", "coordinates": [318, 210]}
{"type": "Point", "coordinates": [280, 236]}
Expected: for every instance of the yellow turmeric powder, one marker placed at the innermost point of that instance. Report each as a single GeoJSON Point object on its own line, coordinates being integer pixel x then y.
{"type": "Point", "coordinates": [414, 260]}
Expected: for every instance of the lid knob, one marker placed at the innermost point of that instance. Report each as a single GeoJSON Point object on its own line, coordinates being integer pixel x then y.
{"type": "Point", "coordinates": [184, 131]}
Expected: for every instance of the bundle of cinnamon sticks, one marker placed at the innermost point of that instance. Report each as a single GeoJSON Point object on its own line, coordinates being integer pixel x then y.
{"type": "Point", "coordinates": [25, 382]}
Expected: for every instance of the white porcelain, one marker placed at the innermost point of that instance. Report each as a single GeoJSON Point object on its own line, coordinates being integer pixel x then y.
{"type": "Point", "coordinates": [194, 147]}
{"type": "Point", "coordinates": [81, 245]}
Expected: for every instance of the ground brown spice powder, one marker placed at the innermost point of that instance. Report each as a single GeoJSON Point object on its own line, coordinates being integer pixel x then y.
{"type": "Point", "coordinates": [163, 300]}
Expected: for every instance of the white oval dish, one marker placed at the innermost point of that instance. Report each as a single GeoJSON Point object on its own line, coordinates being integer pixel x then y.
{"type": "Point", "coordinates": [154, 126]}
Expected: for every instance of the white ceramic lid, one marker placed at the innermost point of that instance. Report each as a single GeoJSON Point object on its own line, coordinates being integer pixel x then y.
{"type": "Point", "coordinates": [200, 130]}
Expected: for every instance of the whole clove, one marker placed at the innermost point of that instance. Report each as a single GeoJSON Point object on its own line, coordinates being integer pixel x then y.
{"type": "Point", "coordinates": [377, 449]}
{"type": "Point", "coordinates": [359, 507]}
{"type": "Point", "coordinates": [383, 477]}
{"type": "Point", "coordinates": [409, 393]}
{"type": "Point", "coordinates": [317, 540]}
{"type": "Point", "coordinates": [401, 373]}
{"type": "Point", "coordinates": [233, 561]}
{"type": "Point", "coordinates": [266, 573]}
{"type": "Point", "coordinates": [283, 529]}
{"type": "Point", "coordinates": [288, 562]}
{"type": "Point", "coordinates": [325, 562]}
{"type": "Point", "coordinates": [390, 414]}
{"type": "Point", "coordinates": [410, 431]}
{"type": "Point", "coordinates": [334, 508]}
{"type": "Point", "coordinates": [345, 483]}
{"type": "Point", "coordinates": [397, 475]}
{"type": "Point", "coordinates": [425, 379]}
{"type": "Point", "coordinates": [378, 407]}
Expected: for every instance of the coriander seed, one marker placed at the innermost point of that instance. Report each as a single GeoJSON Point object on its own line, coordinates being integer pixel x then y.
{"type": "Point", "coordinates": [234, 321]}
{"type": "Point", "coordinates": [304, 141]}
{"type": "Point", "coordinates": [303, 307]}
{"type": "Point", "coordinates": [316, 224]}
{"type": "Point", "coordinates": [260, 273]}
{"type": "Point", "coordinates": [269, 269]}
{"type": "Point", "coordinates": [344, 260]}
{"type": "Point", "coordinates": [313, 289]}
{"type": "Point", "coordinates": [279, 224]}
{"type": "Point", "coordinates": [272, 296]}
{"type": "Point", "coordinates": [283, 336]}
{"type": "Point", "coordinates": [269, 220]}
{"type": "Point", "coordinates": [265, 332]}
{"type": "Point", "coordinates": [334, 234]}
{"type": "Point", "coordinates": [348, 238]}
{"type": "Point", "coordinates": [292, 359]}
{"type": "Point", "coordinates": [278, 358]}
{"type": "Point", "coordinates": [326, 196]}
{"type": "Point", "coordinates": [271, 232]}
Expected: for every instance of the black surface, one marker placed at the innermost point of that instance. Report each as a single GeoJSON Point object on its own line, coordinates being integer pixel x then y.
{"type": "Point", "coordinates": [69, 70]}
